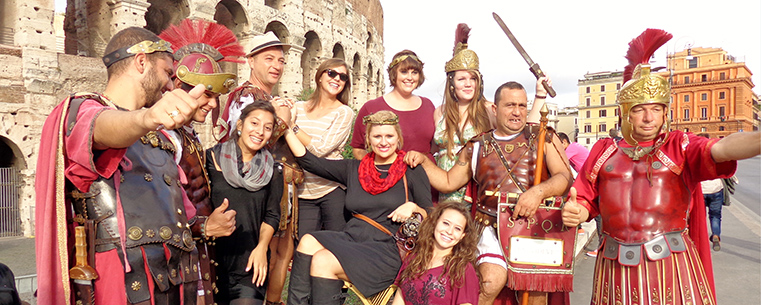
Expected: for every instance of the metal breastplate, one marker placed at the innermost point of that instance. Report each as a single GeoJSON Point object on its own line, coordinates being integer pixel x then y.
{"type": "Point", "coordinates": [193, 163]}
{"type": "Point", "coordinates": [492, 176]}
{"type": "Point", "coordinates": [636, 208]}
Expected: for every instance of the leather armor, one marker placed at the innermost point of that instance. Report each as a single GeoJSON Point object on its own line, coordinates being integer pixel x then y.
{"type": "Point", "coordinates": [154, 216]}
{"type": "Point", "coordinates": [640, 200]}
{"type": "Point", "coordinates": [491, 175]}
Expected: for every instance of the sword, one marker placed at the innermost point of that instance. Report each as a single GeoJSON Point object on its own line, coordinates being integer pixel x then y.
{"type": "Point", "coordinates": [82, 274]}
{"type": "Point", "coordinates": [533, 67]}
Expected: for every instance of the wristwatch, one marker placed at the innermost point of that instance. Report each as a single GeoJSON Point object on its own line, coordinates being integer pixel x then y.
{"type": "Point", "coordinates": [295, 129]}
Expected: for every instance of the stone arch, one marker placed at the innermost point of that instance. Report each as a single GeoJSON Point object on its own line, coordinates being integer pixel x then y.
{"type": "Point", "coordinates": [163, 13]}
{"type": "Point", "coordinates": [310, 58]}
{"type": "Point", "coordinates": [87, 27]}
{"type": "Point", "coordinates": [232, 15]}
{"type": "Point", "coordinates": [370, 81]}
{"type": "Point", "coordinates": [356, 72]}
{"type": "Point", "coordinates": [276, 4]}
{"type": "Point", "coordinates": [11, 186]}
{"type": "Point", "coordinates": [280, 30]}
{"type": "Point", "coordinates": [369, 41]}
{"type": "Point", "coordinates": [379, 79]}
{"type": "Point", "coordinates": [7, 22]}
{"type": "Point", "coordinates": [338, 51]}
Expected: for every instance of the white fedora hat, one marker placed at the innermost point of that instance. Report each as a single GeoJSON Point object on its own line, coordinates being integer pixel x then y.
{"type": "Point", "coordinates": [266, 40]}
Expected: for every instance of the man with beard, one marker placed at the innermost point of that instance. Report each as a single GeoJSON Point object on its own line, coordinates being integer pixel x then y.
{"type": "Point", "coordinates": [106, 166]}
{"type": "Point", "coordinates": [503, 161]}
{"type": "Point", "coordinates": [198, 47]}
{"type": "Point", "coordinates": [266, 60]}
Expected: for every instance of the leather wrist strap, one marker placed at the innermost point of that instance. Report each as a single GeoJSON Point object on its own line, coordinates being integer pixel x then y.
{"type": "Point", "coordinates": [540, 96]}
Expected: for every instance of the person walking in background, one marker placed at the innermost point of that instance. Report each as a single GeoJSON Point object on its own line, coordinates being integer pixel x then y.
{"type": "Point", "coordinates": [615, 134]}
{"type": "Point", "coordinates": [465, 112]}
{"type": "Point", "coordinates": [405, 74]}
{"type": "Point", "coordinates": [715, 198]}
{"type": "Point", "coordinates": [576, 153]}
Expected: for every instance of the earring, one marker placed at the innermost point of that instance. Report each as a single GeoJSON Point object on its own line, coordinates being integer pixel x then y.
{"type": "Point", "coordinates": [239, 132]}
{"type": "Point", "coordinates": [451, 88]}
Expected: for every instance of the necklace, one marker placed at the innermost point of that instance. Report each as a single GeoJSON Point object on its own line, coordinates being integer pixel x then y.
{"type": "Point", "coordinates": [380, 170]}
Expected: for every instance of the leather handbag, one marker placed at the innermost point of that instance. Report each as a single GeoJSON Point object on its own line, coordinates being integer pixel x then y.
{"type": "Point", "coordinates": [406, 236]}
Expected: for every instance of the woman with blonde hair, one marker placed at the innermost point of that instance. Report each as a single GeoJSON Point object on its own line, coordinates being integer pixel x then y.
{"type": "Point", "coordinates": [380, 190]}
{"type": "Point", "coordinates": [441, 268]}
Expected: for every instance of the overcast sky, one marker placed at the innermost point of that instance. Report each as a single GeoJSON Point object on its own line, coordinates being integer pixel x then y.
{"type": "Point", "coordinates": [567, 38]}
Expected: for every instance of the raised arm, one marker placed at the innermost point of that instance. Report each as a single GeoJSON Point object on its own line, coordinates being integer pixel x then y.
{"type": "Point", "coordinates": [443, 181]}
{"type": "Point", "coordinates": [737, 146]}
{"type": "Point", "coordinates": [539, 99]}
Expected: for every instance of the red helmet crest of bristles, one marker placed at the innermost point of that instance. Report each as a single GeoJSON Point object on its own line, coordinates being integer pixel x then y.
{"type": "Point", "coordinates": [198, 47]}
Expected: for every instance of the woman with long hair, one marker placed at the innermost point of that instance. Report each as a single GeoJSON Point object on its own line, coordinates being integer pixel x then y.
{"type": "Point", "coordinates": [322, 124]}
{"type": "Point", "coordinates": [465, 112]}
{"type": "Point", "coordinates": [381, 188]}
{"type": "Point", "coordinates": [243, 174]}
{"type": "Point", "coordinates": [441, 268]}
{"type": "Point", "coordinates": [405, 74]}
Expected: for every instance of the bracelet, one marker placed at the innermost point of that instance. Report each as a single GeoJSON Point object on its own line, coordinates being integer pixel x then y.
{"type": "Point", "coordinates": [203, 229]}
{"type": "Point", "coordinates": [295, 129]}
{"type": "Point", "coordinates": [540, 96]}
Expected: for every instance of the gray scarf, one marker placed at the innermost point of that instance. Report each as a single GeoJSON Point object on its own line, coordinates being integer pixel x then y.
{"type": "Point", "coordinates": [256, 173]}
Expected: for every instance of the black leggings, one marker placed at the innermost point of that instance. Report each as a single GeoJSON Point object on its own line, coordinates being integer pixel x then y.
{"type": "Point", "coordinates": [325, 213]}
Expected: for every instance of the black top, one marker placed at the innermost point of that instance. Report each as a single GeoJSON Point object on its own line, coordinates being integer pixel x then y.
{"type": "Point", "coordinates": [368, 256]}
{"type": "Point", "coordinates": [253, 209]}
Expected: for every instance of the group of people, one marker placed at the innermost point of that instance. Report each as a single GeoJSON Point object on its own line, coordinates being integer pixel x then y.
{"type": "Point", "coordinates": [167, 222]}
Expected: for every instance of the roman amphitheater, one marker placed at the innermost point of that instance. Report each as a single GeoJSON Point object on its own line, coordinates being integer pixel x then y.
{"type": "Point", "coordinates": [44, 56]}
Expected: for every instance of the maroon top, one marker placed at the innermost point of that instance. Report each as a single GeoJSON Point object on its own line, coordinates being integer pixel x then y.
{"type": "Point", "coordinates": [417, 125]}
{"type": "Point", "coordinates": [430, 289]}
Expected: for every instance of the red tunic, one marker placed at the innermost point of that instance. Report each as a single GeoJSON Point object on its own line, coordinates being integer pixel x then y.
{"type": "Point", "coordinates": [639, 202]}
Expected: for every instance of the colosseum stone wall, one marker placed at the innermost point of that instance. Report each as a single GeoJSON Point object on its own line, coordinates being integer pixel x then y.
{"type": "Point", "coordinates": [42, 61]}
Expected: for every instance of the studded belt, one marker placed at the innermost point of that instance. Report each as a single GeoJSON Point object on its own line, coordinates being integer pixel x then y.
{"type": "Point", "coordinates": [657, 248]}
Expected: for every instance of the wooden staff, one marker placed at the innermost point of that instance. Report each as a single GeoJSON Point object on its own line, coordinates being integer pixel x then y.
{"type": "Point", "coordinates": [538, 297]}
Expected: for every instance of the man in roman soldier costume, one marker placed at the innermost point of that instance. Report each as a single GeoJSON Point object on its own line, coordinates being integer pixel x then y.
{"type": "Point", "coordinates": [654, 247]}
{"type": "Point", "coordinates": [502, 163]}
{"type": "Point", "coordinates": [198, 47]}
{"type": "Point", "coordinates": [107, 186]}
{"type": "Point", "coordinates": [266, 60]}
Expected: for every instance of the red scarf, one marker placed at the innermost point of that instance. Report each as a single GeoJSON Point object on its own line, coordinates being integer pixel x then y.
{"type": "Point", "coordinates": [369, 176]}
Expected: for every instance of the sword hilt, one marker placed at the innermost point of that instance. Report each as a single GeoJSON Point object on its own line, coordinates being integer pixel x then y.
{"type": "Point", "coordinates": [537, 71]}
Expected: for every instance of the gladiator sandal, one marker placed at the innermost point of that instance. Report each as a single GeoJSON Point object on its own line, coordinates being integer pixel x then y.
{"type": "Point", "coordinates": [300, 286]}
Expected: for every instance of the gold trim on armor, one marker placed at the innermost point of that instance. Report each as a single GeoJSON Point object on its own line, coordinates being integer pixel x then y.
{"type": "Point", "coordinates": [135, 233]}
{"type": "Point", "coordinates": [165, 232]}
{"type": "Point", "coordinates": [136, 286]}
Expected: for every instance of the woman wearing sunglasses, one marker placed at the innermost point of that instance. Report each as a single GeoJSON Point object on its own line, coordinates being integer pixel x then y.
{"type": "Point", "coordinates": [322, 124]}
{"type": "Point", "coordinates": [405, 74]}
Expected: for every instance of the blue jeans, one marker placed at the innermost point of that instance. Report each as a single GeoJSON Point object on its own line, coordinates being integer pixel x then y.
{"type": "Point", "coordinates": [714, 202]}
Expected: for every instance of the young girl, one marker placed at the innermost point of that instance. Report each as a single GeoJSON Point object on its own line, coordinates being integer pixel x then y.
{"type": "Point", "coordinates": [440, 270]}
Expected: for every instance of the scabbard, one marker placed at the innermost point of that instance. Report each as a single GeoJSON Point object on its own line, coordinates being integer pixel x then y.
{"type": "Point", "coordinates": [84, 293]}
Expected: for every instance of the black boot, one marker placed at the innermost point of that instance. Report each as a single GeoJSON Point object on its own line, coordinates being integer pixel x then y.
{"type": "Point", "coordinates": [327, 291]}
{"type": "Point", "coordinates": [300, 285]}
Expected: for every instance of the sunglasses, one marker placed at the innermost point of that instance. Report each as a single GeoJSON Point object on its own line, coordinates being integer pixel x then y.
{"type": "Point", "coordinates": [333, 73]}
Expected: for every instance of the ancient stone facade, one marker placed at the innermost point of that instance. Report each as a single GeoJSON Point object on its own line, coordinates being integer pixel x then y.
{"type": "Point", "coordinates": [37, 72]}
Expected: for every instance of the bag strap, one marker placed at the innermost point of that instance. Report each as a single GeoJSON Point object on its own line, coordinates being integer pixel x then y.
{"type": "Point", "coordinates": [373, 223]}
{"type": "Point", "coordinates": [406, 189]}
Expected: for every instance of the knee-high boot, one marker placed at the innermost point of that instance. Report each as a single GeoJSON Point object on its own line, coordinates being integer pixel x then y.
{"type": "Point", "coordinates": [327, 291]}
{"type": "Point", "coordinates": [300, 285]}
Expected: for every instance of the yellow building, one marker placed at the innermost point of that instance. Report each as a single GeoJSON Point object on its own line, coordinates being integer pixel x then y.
{"type": "Point", "coordinates": [598, 111]}
{"type": "Point", "coordinates": [711, 93]}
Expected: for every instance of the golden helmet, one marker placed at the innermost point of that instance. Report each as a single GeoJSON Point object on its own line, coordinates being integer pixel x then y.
{"type": "Point", "coordinates": [462, 57]}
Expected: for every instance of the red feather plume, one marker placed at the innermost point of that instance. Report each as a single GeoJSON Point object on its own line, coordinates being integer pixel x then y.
{"type": "Point", "coordinates": [461, 35]}
{"type": "Point", "coordinates": [210, 33]}
{"type": "Point", "coordinates": [643, 47]}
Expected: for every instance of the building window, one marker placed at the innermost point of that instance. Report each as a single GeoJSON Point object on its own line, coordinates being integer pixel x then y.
{"type": "Point", "coordinates": [693, 62]}
{"type": "Point", "coordinates": [618, 86]}
{"type": "Point", "coordinates": [602, 100]}
{"type": "Point", "coordinates": [587, 140]}
{"type": "Point", "coordinates": [587, 129]}
{"type": "Point", "coordinates": [704, 77]}
{"type": "Point", "coordinates": [575, 121]}
{"type": "Point", "coordinates": [721, 112]}
{"type": "Point", "coordinates": [722, 95]}
{"type": "Point", "coordinates": [589, 113]}
{"type": "Point", "coordinates": [721, 128]}
{"type": "Point", "coordinates": [686, 97]}
{"type": "Point", "coordinates": [589, 102]}
{"type": "Point", "coordinates": [603, 113]}
{"type": "Point", "coordinates": [687, 114]}
{"type": "Point", "coordinates": [722, 76]}
{"type": "Point", "coordinates": [686, 130]}
{"type": "Point", "coordinates": [602, 88]}
{"type": "Point", "coordinates": [587, 89]}
{"type": "Point", "coordinates": [703, 96]}
{"type": "Point", "coordinates": [702, 129]}
{"type": "Point", "coordinates": [686, 79]}
{"type": "Point", "coordinates": [615, 112]}
{"type": "Point", "coordinates": [703, 113]}
{"type": "Point", "coordinates": [603, 128]}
